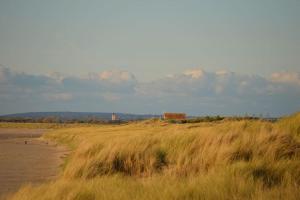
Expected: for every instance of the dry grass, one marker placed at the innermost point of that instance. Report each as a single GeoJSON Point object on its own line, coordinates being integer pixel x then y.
{"type": "Point", "coordinates": [155, 160]}
{"type": "Point", "coordinates": [43, 125]}
{"type": "Point", "coordinates": [32, 125]}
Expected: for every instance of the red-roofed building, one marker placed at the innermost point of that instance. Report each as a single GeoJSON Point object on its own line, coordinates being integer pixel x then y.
{"type": "Point", "coordinates": [174, 116]}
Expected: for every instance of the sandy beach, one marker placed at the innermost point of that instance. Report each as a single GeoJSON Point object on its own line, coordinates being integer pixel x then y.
{"type": "Point", "coordinates": [26, 158]}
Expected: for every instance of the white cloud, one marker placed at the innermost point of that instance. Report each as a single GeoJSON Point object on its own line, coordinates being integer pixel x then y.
{"type": "Point", "coordinates": [56, 76]}
{"type": "Point", "coordinates": [194, 73]}
{"type": "Point", "coordinates": [223, 72]}
{"type": "Point", "coordinates": [194, 91]}
{"type": "Point", "coordinates": [286, 77]}
{"type": "Point", "coordinates": [116, 76]}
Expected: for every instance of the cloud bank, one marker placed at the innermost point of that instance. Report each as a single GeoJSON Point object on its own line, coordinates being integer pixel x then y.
{"type": "Point", "coordinates": [195, 91]}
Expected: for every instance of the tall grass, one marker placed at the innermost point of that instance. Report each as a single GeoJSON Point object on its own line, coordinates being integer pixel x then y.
{"type": "Point", "coordinates": [34, 125]}
{"type": "Point", "coordinates": [291, 124]}
{"type": "Point", "coordinates": [246, 159]}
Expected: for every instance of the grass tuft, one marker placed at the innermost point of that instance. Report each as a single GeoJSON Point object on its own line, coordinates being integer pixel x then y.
{"type": "Point", "coordinates": [228, 159]}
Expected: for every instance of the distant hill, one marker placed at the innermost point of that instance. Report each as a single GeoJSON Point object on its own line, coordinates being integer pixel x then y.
{"type": "Point", "coordinates": [77, 115]}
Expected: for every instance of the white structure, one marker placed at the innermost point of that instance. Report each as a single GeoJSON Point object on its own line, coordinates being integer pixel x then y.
{"type": "Point", "coordinates": [114, 117]}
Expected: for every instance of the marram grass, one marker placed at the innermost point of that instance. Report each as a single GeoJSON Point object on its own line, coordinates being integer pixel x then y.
{"type": "Point", "coordinates": [155, 160]}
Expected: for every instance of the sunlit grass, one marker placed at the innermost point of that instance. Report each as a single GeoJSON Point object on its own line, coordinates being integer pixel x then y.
{"type": "Point", "coordinates": [32, 125]}
{"type": "Point", "coordinates": [247, 159]}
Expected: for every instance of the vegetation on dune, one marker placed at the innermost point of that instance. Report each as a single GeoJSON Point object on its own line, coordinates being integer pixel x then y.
{"type": "Point", "coordinates": [43, 125]}
{"type": "Point", "coordinates": [291, 124]}
{"type": "Point", "coordinates": [247, 159]}
{"type": "Point", "coordinates": [32, 125]}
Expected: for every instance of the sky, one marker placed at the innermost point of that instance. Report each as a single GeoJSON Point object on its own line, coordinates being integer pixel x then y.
{"type": "Point", "coordinates": [227, 57]}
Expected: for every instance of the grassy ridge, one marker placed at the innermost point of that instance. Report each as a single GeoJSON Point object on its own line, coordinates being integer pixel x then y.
{"type": "Point", "coordinates": [35, 125]}
{"type": "Point", "coordinates": [247, 159]}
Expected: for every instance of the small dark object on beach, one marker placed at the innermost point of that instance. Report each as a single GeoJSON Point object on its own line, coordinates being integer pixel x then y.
{"type": "Point", "coordinates": [25, 142]}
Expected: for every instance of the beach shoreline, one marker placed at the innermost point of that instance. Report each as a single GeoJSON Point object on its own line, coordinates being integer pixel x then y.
{"type": "Point", "coordinates": [26, 158]}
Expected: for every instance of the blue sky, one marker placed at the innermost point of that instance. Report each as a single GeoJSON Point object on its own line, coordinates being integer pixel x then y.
{"type": "Point", "coordinates": [147, 49]}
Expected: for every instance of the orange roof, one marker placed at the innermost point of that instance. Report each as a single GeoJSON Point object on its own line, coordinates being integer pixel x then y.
{"type": "Point", "coordinates": [174, 115]}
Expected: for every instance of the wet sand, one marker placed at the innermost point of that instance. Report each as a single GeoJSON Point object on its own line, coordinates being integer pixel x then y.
{"type": "Point", "coordinates": [26, 158]}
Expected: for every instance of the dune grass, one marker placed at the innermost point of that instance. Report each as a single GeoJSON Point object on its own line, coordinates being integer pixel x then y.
{"type": "Point", "coordinates": [37, 125]}
{"type": "Point", "coordinates": [33, 125]}
{"type": "Point", "coordinates": [247, 159]}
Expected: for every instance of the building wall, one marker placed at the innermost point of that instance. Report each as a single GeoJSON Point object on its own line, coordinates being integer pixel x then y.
{"type": "Point", "coordinates": [174, 116]}
{"type": "Point", "coordinates": [114, 117]}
